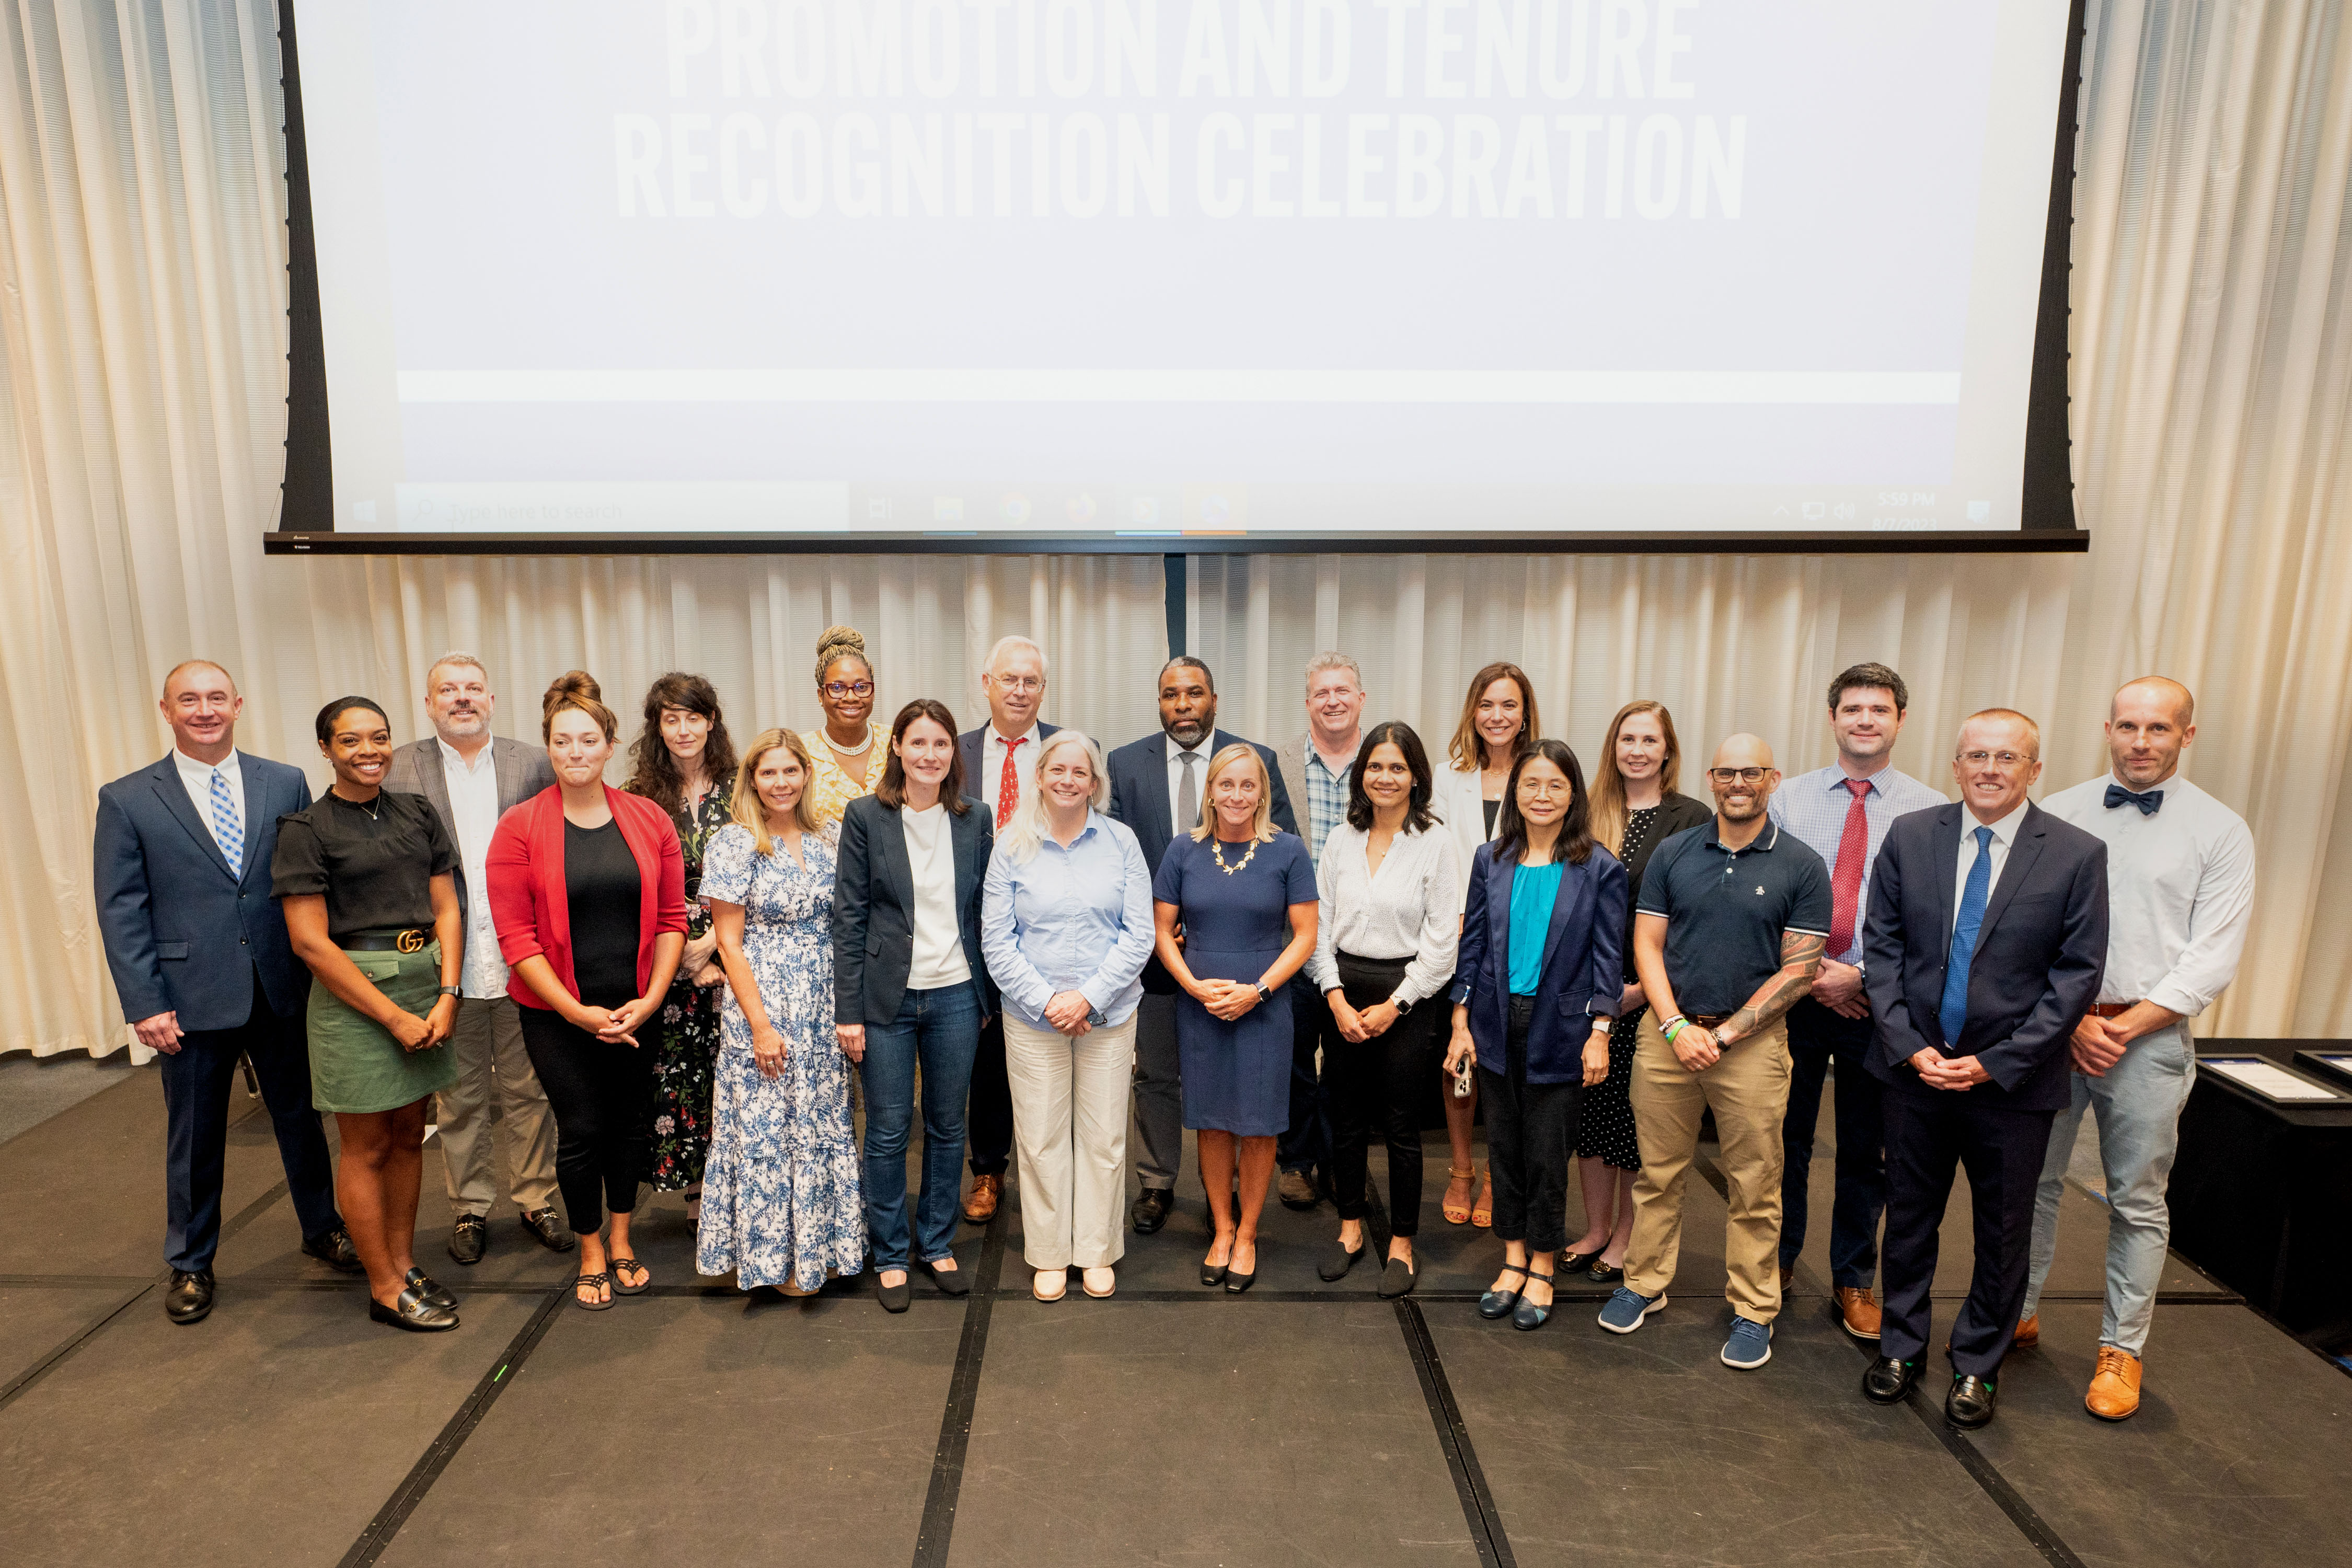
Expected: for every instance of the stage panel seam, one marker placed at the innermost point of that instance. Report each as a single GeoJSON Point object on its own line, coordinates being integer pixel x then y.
{"type": "Point", "coordinates": [938, 1527]}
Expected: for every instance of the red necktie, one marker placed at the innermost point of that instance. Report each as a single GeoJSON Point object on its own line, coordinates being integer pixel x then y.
{"type": "Point", "coordinates": [1846, 877]}
{"type": "Point", "coordinates": [1008, 786]}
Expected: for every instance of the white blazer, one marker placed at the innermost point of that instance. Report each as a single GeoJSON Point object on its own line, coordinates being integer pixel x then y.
{"type": "Point", "coordinates": [1454, 798]}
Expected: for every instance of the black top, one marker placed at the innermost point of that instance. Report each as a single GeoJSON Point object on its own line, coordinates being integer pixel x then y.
{"type": "Point", "coordinates": [1727, 909]}
{"type": "Point", "coordinates": [1492, 807]}
{"type": "Point", "coordinates": [1644, 830]}
{"type": "Point", "coordinates": [602, 893]}
{"type": "Point", "coordinates": [375, 863]}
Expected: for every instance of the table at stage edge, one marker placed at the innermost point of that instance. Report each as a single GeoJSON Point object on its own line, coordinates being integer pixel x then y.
{"type": "Point", "coordinates": [2261, 1192]}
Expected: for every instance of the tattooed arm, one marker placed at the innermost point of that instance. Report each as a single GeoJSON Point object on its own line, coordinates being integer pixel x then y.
{"type": "Point", "coordinates": [1801, 957]}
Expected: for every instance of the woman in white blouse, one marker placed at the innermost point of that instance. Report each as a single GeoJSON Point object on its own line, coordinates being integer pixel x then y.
{"type": "Point", "coordinates": [1498, 725]}
{"type": "Point", "coordinates": [1390, 912]}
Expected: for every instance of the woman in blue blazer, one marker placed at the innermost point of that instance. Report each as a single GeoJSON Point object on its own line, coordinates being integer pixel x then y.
{"type": "Point", "coordinates": [1535, 988]}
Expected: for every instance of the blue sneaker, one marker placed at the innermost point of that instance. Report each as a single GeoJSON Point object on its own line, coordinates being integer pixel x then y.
{"type": "Point", "coordinates": [1749, 1346]}
{"type": "Point", "coordinates": [1624, 1310]}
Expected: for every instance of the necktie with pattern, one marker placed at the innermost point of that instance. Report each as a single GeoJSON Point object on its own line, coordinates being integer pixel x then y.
{"type": "Point", "coordinates": [1954, 1010]}
{"type": "Point", "coordinates": [1188, 795]}
{"type": "Point", "coordinates": [1845, 880]}
{"type": "Point", "coordinates": [229, 826]}
{"type": "Point", "coordinates": [1008, 784]}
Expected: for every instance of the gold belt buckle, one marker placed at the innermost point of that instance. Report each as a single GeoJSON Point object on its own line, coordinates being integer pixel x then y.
{"type": "Point", "coordinates": [410, 940]}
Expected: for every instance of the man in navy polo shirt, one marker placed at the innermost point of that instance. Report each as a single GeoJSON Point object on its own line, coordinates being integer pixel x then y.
{"type": "Point", "coordinates": [1727, 934]}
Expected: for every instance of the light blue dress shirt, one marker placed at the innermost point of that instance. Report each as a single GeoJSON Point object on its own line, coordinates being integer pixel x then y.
{"type": "Point", "coordinates": [1075, 918]}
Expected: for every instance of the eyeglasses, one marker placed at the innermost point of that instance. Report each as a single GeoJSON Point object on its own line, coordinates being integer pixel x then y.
{"type": "Point", "coordinates": [1738, 775]}
{"type": "Point", "coordinates": [2006, 759]}
{"type": "Point", "coordinates": [1020, 682]}
{"type": "Point", "coordinates": [838, 689]}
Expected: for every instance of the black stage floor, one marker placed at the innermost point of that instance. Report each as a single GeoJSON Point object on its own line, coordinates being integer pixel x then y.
{"type": "Point", "coordinates": [1300, 1424]}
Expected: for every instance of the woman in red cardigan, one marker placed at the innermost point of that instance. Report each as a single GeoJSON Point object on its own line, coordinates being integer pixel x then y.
{"type": "Point", "coordinates": [588, 890]}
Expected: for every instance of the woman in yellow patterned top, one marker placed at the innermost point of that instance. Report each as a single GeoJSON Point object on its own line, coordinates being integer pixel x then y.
{"type": "Point", "coordinates": [845, 749]}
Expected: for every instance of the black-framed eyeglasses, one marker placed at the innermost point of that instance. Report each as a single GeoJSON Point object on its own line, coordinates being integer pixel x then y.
{"type": "Point", "coordinates": [1741, 775]}
{"type": "Point", "coordinates": [838, 689]}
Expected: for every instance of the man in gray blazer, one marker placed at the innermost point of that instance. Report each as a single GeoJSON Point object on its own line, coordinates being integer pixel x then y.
{"type": "Point", "coordinates": [473, 778]}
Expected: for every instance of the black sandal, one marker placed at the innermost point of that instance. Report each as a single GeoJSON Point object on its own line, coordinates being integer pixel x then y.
{"type": "Point", "coordinates": [1498, 1303]}
{"type": "Point", "coordinates": [1531, 1315]}
{"type": "Point", "coordinates": [639, 1289]}
{"type": "Point", "coordinates": [598, 1281]}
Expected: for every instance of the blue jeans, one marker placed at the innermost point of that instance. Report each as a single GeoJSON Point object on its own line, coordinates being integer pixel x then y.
{"type": "Point", "coordinates": [2139, 1103]}
{"type": "Point", "coordinates": [940, 1030]}
{"type": "Point", "coordinates": [1816, 1035]}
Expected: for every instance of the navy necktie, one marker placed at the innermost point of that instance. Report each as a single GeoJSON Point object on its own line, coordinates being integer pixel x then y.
{"type": "Point", "coordinates": [1953, 1013]}
{"type": "Point", "coordinates": [2117, 796]}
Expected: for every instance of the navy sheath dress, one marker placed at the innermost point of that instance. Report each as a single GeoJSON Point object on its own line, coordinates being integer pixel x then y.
{"type": "Point", "coordinates": [1236, 1075]}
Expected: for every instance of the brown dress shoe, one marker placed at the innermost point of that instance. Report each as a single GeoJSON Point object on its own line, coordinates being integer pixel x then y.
{"type": "Point", "coordinates": [986, 1193]}
{"type": "Point", "coordinates": [2028, 1335]}
{"type": "Point", "coordinates": [2115, 1387]}
{"type": "Point", "coordinates": [1858, 1311]}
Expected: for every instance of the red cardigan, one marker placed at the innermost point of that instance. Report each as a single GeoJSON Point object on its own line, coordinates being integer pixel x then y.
{"type": "Point", "coordinates": [530, 905]}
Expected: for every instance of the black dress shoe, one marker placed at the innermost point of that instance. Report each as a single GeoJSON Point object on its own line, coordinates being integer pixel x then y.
{"type": "Point", "coordinates": [950, 1281]}
{"type": "Point", "coordinates": [1338, 1260]}
{"type": "Point", "coordinates": [1606, 1274]}
{"type": "Point", "coordinates": [895, 1298]}
{"type": "Point", "coordinates": [1969, 1405]}
{"type": "Point", "coordinates": [1887, 1380]}
{"type": "Point", "coordinates": [1575, 1263]}
{"type": "Point", "coordinates": [1236, 1282]}
{"type": "Point", "coordinates": [1152, 1209]}
{"type": "Point", "coordinates": [412, 1311]}
{"type": "Point", "coordinates": [470, 1238]}
{"type": "Point", "coordinates": [431, 1293]}
{"type": "Point", "coordinates": [189, 1295]}
{"type": "Point", "coordinates": [1213, 1274]}
{"type": "Point", "coordinates": [549, 1230]}
{"type": "Point", "coordinates": [1396, 1279]}
{"type": "Point", "coordinates": [335, 1250]}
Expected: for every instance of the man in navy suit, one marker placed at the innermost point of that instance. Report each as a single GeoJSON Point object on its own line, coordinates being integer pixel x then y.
{"type": "Point", "coordinates": [200, 959]}
{"type": "Point", "coordinates": [1000, 767]}
{"type": "Point", "coordinates": [1155, 789]}
{"type": "Point", "coordinates": [1987, 936]}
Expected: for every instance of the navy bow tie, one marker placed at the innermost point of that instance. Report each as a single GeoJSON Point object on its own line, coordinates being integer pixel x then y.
{"type": "Point", "coordinates": [2118, 795]}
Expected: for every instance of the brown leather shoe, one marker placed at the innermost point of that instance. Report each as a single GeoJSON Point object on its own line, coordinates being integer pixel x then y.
{"type": "Point", "coordinates": [986, 1193]}
{"type": "Point", "coordinates": [1858, 1311]}
{"type": "Point", "coordinates": [2115, 1387]}
{"type": "Point", "coordinates": [2028, 1335]}
{"type": "Point", "coordinates": [1787, 1278]}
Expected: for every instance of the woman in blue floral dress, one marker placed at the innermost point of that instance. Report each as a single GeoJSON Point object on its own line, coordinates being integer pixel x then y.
{"type": "Point", "coordinates": [780, 1205]}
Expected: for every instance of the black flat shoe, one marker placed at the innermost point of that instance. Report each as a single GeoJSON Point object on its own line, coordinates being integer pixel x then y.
{"type": "Point", "coordinates": [1338, 1260]}
{"type": "Point", "coordinates": [1888, 1380]}
{"type": "Point", "coordinates": [1152, 1209]}
{"type": "Point", "coordinates": [1237, 1283]}
{"type": "Point", "coordinates": [950, 1281]}
{"type": "Point", "coordinates": [1575, 1263]}
{"type": "Point", "coordinates": [335, 1250]}
{"type": "Point", "coordinates": [548, 1230]}
{"type": "Point", "coordinates": [430, 1293]}
{"type": "Point", "coordinates": [1606, 1274]}
{"type": "Point", "coordinates": [189, 1296]}
{"type": "Point", "coordinates": [1396, 1279]}
{"type": "Point", "coordinates": [895, 1298]}
{"type": "Point", "coordinates": [1498, 1303]}
{"type": "Point", "coordinates": [1970, 1404]}
{"type": "Point", "coordinates": [412, 1311]}
{"type": "Point", "coordinates": [470, 1238]}
{"type": "Point", "coordinates": [1527, 1314]}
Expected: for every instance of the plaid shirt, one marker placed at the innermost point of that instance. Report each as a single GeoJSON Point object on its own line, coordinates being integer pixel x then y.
{"type": "Point", "coordinates": [1813, 806]}
{"type": "Point", "coordinates": [1326, 801]}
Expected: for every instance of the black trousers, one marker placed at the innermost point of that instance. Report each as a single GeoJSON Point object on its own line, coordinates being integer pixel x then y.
{"type": "Point", "coordinates": [602, 1094]}
{"type": "Point", "coordinates": [1816, 1036]}
{"type": "Point", "coordinates": [1530, 1127]}
{"type": "Point", "coordinates": [1306, 1144]}
{"type": "Point", "coordinates": [1380, 1083]}
{"type": "Point", "coordinates": [988, 1115]}
{"type": "Point", "coordinates": [1928, 1133]}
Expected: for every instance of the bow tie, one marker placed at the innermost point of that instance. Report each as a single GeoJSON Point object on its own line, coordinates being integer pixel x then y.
{"type": "Point", "coordinates": [2118, 795]}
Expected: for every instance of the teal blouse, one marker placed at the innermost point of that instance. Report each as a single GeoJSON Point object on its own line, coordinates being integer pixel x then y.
{"type": "Point", "coordinates": [1534, 890]}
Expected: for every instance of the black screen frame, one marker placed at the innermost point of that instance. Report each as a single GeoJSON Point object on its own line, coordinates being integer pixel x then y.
{"type": "Point", "coordinates": [306, 522]}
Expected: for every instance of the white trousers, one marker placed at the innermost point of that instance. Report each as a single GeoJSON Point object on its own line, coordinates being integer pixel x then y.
{"type": "Point", "coordinates": [1070, 1130]}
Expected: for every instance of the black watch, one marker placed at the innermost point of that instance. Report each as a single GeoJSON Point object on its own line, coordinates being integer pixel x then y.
{"type": "Point", "coordinates": [1263, 993]}
{"type": "Point", "coordinates": [1401, 1004]}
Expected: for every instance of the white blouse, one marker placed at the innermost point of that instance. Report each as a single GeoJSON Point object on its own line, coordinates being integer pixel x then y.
{"type": "Point", "coordinates": [1459, 801]}
{"type": "Point", "coordinates": [1411, 907]}
{"type": "Point", "coordinates": [938, 937]}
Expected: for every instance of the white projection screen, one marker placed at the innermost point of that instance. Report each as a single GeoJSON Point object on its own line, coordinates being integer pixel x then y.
{"type": "Point", "coordinates": [1176, 275]}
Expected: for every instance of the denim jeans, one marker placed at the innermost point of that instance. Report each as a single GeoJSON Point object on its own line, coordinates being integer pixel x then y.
{"type": "Point", "coordinates": [2138, 1102]}
{"type": "Point", "coordinates": [940, 1030]}
{"type": "Point", "coordinates": [1816, 1035]}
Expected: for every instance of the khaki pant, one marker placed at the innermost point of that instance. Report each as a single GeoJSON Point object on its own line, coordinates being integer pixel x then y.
{"type": "Point", "coordinates": [1749, 1089]}
{"type": "Point", "coordinates": [1069, 1129]}
{"type": "Point", "coordinates": [488, 1039]}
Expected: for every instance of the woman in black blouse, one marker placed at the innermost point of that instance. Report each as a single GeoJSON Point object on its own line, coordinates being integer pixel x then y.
{"type": "Point", "coordinates": [1634, 810]}
{"type": "Point", "coordinates": [366, 878]}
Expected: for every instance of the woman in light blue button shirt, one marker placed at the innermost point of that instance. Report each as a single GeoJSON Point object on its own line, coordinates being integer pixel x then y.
{"type": "Point", "coordinates": [1065, 927]}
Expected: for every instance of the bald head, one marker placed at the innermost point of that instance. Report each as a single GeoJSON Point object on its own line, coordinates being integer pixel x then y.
{"type": "Point", "coordinates": [2150, 722]}
{"type": "Point", "coordinates": [195, 671]}
{"type": "Point", "coordinates": [1743, 779]}
{"type": "Point", "coordinates": [1744, 751]}
{"type": "Point", "coordinates": [2163, 691]}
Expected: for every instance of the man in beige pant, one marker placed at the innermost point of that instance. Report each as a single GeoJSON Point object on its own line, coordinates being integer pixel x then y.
{"type": "Point", "coordinates": [1728, 930]}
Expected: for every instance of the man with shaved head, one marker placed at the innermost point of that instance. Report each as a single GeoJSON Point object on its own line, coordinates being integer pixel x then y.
{"type": "Point", "coordinates": [2180, 884]}
{"type": "Point", "coordinates": [1728, 935]}
{"type": "Point", "coordinates": [1987, 933]}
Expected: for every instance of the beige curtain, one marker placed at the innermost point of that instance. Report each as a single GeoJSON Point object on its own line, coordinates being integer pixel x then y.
{"type": "Point", "coordinates": [2212, 349]}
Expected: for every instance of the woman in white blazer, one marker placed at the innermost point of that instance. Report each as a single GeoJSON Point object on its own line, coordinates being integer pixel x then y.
{"type": "Point", "coordinates": [1498, 724]}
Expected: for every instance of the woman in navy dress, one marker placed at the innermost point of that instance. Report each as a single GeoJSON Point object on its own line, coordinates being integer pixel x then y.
{"type": "Point", "coordinates": [1235, 904]}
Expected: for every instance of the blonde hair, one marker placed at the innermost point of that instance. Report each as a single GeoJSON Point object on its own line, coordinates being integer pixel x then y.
{"type": "Point", "coordinates": [749, 810]}
{"type": "Point", "coordinates": [1609, 784]}
{"type": "Point", "coordinates": [1262, 826]}
{"type": "Point", "coordinates": [1025, 833]}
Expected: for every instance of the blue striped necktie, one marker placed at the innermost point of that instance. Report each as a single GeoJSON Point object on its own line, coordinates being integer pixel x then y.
{"type": "Point", "coordinates": [228, 827]}
{"type": "Point", "coordinates": [1953, 1013]}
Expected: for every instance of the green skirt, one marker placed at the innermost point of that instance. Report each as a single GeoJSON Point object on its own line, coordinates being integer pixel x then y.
{"type": "Point", "coordinates": [356, 1067]}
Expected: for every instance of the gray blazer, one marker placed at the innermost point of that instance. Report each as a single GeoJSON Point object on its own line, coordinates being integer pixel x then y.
{"type": "Point", "coordinates": [522, 771]}
{"type": "Point", "coordinates": [1291, 759]}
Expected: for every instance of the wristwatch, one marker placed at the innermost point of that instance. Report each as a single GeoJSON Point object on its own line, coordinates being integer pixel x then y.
{"type": "Point", "coordinates": [452, 991]}
{"type": "Point", "coordinates": [1401, 1004]}
{"type": "Point", "coordinates": [1263, 993]}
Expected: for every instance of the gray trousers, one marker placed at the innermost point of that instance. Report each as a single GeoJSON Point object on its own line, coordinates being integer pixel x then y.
{"type": "Point", "coordinates": [493, 1066]}
{"type": "Point", "coordinates": [1158, 1093]}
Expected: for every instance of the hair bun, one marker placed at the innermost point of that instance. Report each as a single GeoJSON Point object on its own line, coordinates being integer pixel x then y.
{"type": "Point", "coordinates": [574, 683]}
{"type": "Point", "coordinates": [835, 641]}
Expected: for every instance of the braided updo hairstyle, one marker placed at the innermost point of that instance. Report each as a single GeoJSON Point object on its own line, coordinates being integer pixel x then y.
{"type": "Point", "coordinates": [838, 643]}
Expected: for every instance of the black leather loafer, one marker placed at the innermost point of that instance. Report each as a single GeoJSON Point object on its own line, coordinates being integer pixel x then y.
{"type": "Point", "coordinates": [412, 1311]}
{"type": "Point", "coordinates": [1887, 1381]}
{"type": "Point", "coordinates": [1396, 1279]}
{"type": "Point", "coordinates": [1969, 1405]}
{"type": "Point", "coordinates": [189, 1296]}
{"type": "Point", "coordinates": [1338, 1260]}
{"type": "Point", "coordinates": [895, 1298]}
{"type": "Point", "coordinates": [470, 1238]}
{"type": "Point", "coordinates": [951, 1281]}
{"type": "Point", "coordinates": [335, 1250]}
{"type": "Point", "coordinates": [549, 1230]}
{"type": "Point", "coordinates": [1152, 1209]}
{"type": "Point", "coordinates": [430, 1292]}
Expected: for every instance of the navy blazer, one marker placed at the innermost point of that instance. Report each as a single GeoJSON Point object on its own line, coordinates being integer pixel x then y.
{"type": "Point", "coordinates": [1583, 963]}
{"type": "Point", "coordinates": [972, 744]}
{"type": "Point", "coordinates": [874, 908]}
{"type": "Point", "coordinates": [182, 935]}
{"type": "Point", "coordinates": [1139, 797]}
{"type": "Point", "coordinates": [2039, 954]}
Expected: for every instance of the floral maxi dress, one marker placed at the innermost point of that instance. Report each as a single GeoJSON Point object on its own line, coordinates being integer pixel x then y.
{"type": "Point", "coordinates": [686, 1049]}
{"type": "Point", "coordinates": [781, 1201]}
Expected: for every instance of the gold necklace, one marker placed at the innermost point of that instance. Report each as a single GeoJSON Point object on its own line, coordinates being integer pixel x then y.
{"type": "Point", "coordinates": [1217, 853]}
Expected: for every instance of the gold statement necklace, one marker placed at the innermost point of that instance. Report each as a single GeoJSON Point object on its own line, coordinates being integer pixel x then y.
{"type": "Point", "coordinates": [1217, 853]}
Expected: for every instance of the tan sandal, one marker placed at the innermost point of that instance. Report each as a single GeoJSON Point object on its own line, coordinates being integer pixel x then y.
{"type": "Point", "coordinates": [1483, 1217]}
{"type": "Point", "coordinates": [1457, 1210]}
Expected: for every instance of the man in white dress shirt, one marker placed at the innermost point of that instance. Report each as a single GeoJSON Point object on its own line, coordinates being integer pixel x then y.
{"type": "Point", "coordinates": [2181, 881]}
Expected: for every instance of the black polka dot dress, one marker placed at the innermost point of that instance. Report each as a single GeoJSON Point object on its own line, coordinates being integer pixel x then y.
{"type": "Point", "coordinates": [1604, 1128]}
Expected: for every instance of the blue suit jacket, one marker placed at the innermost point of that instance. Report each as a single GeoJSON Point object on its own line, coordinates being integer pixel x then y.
{"type": "Point", "coordinates": [1583, 962]}
{"type": "Point", "coordinates": [2039, 954]}
{"type": "Point", "coordinates": [182, 935]}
